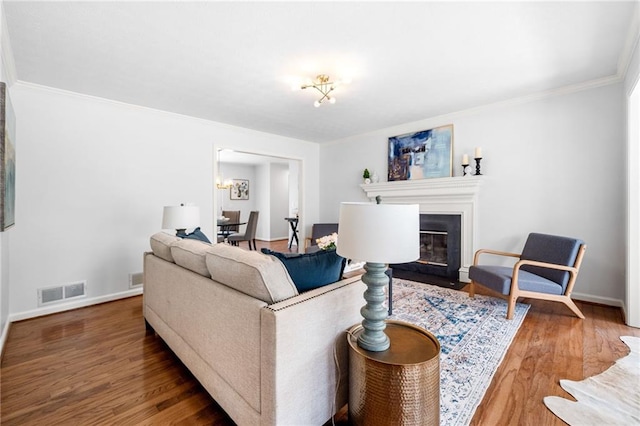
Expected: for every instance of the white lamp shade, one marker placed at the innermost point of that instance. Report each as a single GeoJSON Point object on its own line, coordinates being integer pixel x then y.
{"type": "Point", "coordinates": [180, 217]}
{"type": "Point", "coordinates": [380, 233]}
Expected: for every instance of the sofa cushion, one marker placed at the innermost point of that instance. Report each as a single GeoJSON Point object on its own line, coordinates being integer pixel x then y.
{"type": "Point", "coordinates": [161, 245]}
{"type": "Point", "coordinates": [250, 272]}
{"type": "Point", "coordinates": [190, 254]}
{"type": "Point", "coordinates": [312, 270]}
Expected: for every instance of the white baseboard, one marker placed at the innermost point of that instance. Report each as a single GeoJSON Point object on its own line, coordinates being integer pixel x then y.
{"type": "Point", "coordinates": [609, 301]}
{"type": "Point", "coordinates": [73, 305]}
{"type": "Point", "coordinates": [272, 239]}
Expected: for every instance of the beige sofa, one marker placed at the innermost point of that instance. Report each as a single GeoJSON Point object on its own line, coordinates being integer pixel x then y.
{"type": "Point", "coordinates": [264, 352]}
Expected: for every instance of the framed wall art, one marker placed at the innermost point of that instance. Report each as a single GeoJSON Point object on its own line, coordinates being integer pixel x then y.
{"type": "Point", "coordinates": [421, 155]}
{"type": "Point", "coordinates": [239, 189]}
{"type": "Point", "coordinates": [7, 160]}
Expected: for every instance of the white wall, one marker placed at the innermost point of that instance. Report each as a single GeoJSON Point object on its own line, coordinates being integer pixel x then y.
{"type": "Point", "coordinates": [93, 176]}
{"type": "Point", "coordinates": [632, 91]}
{"type": "Point", "coordinates": [4, 236]}
{"type": "Point", "coordinates": [279, 201]}
{"type": "Point", "coordinates": [268, 194]}
{"type": "Point", "coordinates": [238, 171]}
{"type": "Point", "coordinates": [555, 165]}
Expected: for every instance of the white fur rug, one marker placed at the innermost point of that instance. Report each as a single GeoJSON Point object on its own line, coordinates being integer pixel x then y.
{"type": "Point", "coordinates": [609, 398]}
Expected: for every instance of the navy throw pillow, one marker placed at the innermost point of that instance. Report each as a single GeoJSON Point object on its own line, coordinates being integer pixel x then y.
{"type": "Point", "coordinates": [311, 270]}
{"type": "Point", "coordinates": [197, 234]}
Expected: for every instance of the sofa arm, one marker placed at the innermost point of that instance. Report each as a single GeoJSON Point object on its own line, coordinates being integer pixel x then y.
{"type": "Point", "coordinates": [301, 340]}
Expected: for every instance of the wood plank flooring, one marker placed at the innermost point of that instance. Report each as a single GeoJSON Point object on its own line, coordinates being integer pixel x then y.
{"type": "Point", "coordinates": [99, 366]}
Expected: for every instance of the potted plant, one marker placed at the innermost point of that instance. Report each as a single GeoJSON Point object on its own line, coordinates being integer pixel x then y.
{"type": "Point", "coordinates": [366, 176]}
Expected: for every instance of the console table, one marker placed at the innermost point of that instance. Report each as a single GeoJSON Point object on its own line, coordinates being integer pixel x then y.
{"type": "Point", "coordinates": [293, 222]}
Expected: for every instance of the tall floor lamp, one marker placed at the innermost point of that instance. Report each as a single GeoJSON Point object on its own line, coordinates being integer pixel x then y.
{"type": "Point", "coordinates": [378, 234]}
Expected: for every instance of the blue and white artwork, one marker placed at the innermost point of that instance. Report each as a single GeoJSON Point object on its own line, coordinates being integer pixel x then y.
{"type": "Point", "coordinates": [7, 160]}
{"type": "Point", "coordinates": [421, 155]}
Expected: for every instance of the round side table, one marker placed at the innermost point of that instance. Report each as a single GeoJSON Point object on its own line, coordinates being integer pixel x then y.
{"type": "Point", "coordinates": [399, 386]}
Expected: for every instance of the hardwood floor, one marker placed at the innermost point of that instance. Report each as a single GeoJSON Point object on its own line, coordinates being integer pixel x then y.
{"type": "Point", "coordinates": [98, 365]}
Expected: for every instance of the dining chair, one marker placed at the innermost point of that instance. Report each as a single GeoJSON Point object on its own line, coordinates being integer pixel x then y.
{"type": "Point", "coordinates": [234, 217]}
{"type": "Point", "coordinates": [249, 234]}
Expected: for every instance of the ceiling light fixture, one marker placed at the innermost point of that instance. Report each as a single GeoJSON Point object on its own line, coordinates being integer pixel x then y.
{"type": "Point", "coordinates": [325, 87]}
{"type": "Point", "coordinates": [223, 183]}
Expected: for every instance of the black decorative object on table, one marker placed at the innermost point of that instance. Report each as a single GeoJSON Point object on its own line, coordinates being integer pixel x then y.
{"type": "Point", "coordinates": [478, 166]}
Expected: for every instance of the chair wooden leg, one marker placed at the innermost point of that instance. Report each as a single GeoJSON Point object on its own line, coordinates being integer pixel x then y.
{"type": "Point", "coordinates": [573, 307]}
{"type": "Point", "coordinates": [472, 289]}
{"type": "Point", "coordinates": [511, 306]}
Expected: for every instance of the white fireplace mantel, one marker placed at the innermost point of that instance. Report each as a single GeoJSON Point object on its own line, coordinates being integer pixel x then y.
{"type": "Point", "coordinates": [454, 195]}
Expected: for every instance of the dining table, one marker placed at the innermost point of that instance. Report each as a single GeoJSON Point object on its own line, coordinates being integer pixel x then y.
{"type": "Point", "coordinates": [227, 226]}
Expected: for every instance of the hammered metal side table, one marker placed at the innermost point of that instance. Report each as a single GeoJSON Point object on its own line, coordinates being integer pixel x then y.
{"type": "Point", "coordinates": [399, 386]}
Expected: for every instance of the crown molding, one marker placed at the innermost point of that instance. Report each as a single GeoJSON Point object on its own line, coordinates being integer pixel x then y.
{"type": "Point", "coordinates": [633, 38]}
{"type": "Point", "coordinates": [449, 117]}
{"type": "Point", "coordinates": [198, 120]}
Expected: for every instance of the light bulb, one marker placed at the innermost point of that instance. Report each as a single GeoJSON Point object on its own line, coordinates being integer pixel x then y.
{"type": "Point", "coordinates": [316, 104]}
{"type": "Point", "coordinates": [332, 100]}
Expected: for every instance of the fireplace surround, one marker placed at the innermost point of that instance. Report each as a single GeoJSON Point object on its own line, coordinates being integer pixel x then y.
{"type": "Point", "coordinates": [439, 247]}
{"type": "Point", "coordinates": [439, 196]}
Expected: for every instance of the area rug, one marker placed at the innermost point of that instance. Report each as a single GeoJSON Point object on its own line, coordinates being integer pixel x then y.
{"type": "Point", "coordinates": [474, 336]}
{"type": "Point", "coordinates": [609, 398]}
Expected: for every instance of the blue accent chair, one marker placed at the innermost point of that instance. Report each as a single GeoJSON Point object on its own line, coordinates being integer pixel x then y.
{"type": "Point", "coordinates": [547, 269]}
{"type": "Point", "coordinates": [319, 230]}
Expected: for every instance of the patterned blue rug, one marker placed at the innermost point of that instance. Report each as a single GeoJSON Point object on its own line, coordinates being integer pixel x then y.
{"type": "Point", "coordinates": [474, 335]}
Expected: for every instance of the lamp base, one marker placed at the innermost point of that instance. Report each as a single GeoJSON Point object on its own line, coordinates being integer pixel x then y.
{"type": "Point", "coordinates": [373, 337]}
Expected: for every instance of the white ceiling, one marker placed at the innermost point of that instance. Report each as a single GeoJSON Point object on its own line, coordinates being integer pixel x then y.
{"type": "Point", "coordinates": [234, 62]}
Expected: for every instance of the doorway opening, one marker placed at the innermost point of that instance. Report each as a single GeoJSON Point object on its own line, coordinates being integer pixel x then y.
{"type": "Point", "coordinates": [270, 185]}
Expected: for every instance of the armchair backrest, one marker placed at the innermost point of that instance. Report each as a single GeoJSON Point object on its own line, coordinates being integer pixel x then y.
{"type": "Point", "coordinates": [319, 230]}
{"type": "Point", "coordinates": [551, 249]}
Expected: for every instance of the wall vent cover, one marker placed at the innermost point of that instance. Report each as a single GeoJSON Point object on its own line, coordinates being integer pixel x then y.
{"type": "Point", "coordinates": [50, 295]}
{"type": "Point", "coordinates": [135, 280]}
{"type": "Point", "coordinates": [61, 293]}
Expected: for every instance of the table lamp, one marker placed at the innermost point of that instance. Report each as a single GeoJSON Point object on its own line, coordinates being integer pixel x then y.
{"type": "Point", "coordinates": [180, 217]}
{"type": "Point", "coordinates": [378, 234]}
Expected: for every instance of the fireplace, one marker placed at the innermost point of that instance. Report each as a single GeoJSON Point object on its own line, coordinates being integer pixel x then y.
{"type": "Point", "coordinates": [453, 196]}
{"type": "Point", "coordinates": [440, 242]}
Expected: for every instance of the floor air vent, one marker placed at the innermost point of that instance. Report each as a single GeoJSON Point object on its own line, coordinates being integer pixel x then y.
{"type": "Point", "coordinates": [61, 293]}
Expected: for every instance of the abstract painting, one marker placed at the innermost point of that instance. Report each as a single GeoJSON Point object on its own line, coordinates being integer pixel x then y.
{"type": "Point", "coordinates": [239, 189]}
{"type": "Point", "coordinates": [7, 160]}
{"type": "Point", "coordinates": [421, 155]}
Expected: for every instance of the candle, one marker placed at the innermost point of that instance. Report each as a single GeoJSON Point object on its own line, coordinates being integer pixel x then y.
{"type": "Point", "coordinates": [478, 152]}
{"type": "Point", "coordinates": [465, 160]}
